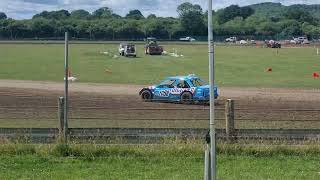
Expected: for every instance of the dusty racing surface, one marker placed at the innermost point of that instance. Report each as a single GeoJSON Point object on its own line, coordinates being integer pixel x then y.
{"type": "Point", "coordinates": [34, 104]}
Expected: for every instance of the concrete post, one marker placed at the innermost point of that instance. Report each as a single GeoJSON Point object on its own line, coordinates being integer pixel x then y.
{"type": "Point", "coordinates": [62, 135]}
{"type": "Point", "coordinates": [229, 114]}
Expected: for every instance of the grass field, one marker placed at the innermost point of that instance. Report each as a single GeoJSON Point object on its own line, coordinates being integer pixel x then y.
{"type": "Point", "coordinates": [235, 66]}
{"type": "Point", "coordinates": [159, 162]}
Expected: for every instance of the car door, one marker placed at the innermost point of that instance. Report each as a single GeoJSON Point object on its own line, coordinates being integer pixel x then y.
{"type": "Point", "coordinates": [180, 86]}
{"type": "Point", "coordinates": [163, 91]}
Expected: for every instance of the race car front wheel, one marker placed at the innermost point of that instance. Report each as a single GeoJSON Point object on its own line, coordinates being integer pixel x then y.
{"type": "Point", "coordinates": [146, 96]}
{"type": "Point", "coordinates": [186, 98]}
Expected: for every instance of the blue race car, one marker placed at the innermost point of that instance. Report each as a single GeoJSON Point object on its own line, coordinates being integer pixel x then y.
{"type": "Point", "coordinates": [183, 89]}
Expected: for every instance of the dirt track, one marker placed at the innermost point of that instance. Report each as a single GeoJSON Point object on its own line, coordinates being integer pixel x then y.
{"type": "Point", "coordinates": [118, 89]}
{"type": "Point", "coordinates": [34, 104]}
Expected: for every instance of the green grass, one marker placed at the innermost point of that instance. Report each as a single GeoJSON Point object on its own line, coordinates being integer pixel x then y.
{"type": "Point", "coordinates": [235, 66]}
{"type": "Point", "coordinates": [229, 167]}
{"type": "Point", "coordinates": [155, 162]}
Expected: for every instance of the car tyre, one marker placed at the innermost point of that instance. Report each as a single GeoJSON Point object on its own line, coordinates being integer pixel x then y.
{"type": "Point", "coordinates": [186, 98]}
{"type": "Point", "coordinates": [146, 95]}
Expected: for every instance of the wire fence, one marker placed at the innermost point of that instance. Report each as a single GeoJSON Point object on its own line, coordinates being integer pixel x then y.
{"type": "Point", "coordinates": [96, 113]}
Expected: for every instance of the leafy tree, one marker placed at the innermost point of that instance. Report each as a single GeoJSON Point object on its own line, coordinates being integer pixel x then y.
{"type": "Point", "coordinates": [268, 29]}
{"type": "Point", "coordinates": [130, 30]}
{"type": "Point", "coordinates": [246, 12]}
{"type": "Point", "coordinates": [292, 31]}
{"type": "Point", "coordinates": [157, 28]}
{"type": "Point", "coordinates": [104, 12]}
{"type": "Point", "coordinates": [80, 14]}
{"type": "Point", "coordinates": [187, 7]}
{"type": "Point", "coordinates": [42, 27]}
{"type": "Point", "coordinates": [58, 15]}
{"type": "Point", "coordinates": [233, 11]}
{"type": "Point", "coordinates": [135, 14]}
{"type": "Point", "coordinates": [299, 15]}
{"type": "Point", "coordinates": [81, 29]}
{"type": "Point", "coordinates": [191, 18]}
{"type": "Point", "coordinates": [266, 19]}
{"type": "Point", "coordinates": [152, 16]}
{"type": "Point", "coordinates": [228, 13]}
{"type": "Point", "coordinates": [16, 28]}
{"type": "Point", "coordinates": [117, 16]}
{"type": "Point", "coordinates": [3, 15]}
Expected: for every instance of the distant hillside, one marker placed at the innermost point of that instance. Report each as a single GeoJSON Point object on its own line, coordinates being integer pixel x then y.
{"type": "Point", "coordinates": [276, 9]}
{"type": "Point", "coordinates": [313, 9]}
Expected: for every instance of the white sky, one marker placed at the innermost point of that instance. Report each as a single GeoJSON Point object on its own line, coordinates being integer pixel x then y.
{"type": "Point", "coordinates": [24, 9]}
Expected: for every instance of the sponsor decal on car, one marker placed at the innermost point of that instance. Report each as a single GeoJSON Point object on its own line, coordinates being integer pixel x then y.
{"type": "Point", "coordinates": [173, 91]}
{"type": "Point", "coordinates": [180, 90]}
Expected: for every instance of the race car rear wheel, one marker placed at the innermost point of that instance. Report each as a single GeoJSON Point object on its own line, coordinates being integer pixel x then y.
{"type": "Point", "coordinates": [146, 95]}
{"type": "Point", "coordinates": [186, 98]}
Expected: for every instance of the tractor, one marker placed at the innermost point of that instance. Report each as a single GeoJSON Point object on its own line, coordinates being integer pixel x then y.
{"type": "Point", "coordinates": [152, 47]}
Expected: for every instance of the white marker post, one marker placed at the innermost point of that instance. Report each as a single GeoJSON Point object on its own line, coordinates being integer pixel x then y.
{"type": "Point", "coordinates": [212, 164]}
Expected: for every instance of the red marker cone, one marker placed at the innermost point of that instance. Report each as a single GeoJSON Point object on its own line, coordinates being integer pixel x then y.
{"type": "Point", "coordinates": [315, 75]}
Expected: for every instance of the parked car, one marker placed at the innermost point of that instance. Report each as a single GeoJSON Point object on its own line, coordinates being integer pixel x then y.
{"type": "Point", "coordinates": [189, 39]}
{"type": "Point", "coordinates": [293, 41]}
{"type": "Point", "coordinates": [231, 39]}
{"type": "Point", "coordinates": [306, 41]}
{"type": "Point", "coordinates": [243, 42]}
{"type": "Point", "coordinates": [127, 50]}
{"type": "Point", "coordinates": [300, 40]}
{"type": "Point", "coordinates": [183, 89]}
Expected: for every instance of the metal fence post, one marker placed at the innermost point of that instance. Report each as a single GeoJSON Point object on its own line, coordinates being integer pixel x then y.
{"type": "Point", "coordinates": [229, 114]}
{"type": "Point", "coordinates": [62, 135]}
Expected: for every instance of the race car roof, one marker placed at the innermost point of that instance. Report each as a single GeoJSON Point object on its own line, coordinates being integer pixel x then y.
{"type": "Point", "coordinates": [184, 77]}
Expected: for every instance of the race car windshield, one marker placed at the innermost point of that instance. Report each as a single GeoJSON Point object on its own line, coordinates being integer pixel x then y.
{"type": "Point", "coordinates": [168, 82]}
{"type": "Point", "coordinates": [197, 82]}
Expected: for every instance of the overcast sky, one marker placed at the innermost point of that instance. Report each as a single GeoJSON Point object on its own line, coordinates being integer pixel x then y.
{"type": "Point", "coordinates": [24, 9]}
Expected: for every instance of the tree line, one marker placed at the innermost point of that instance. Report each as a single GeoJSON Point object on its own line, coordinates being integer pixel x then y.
{"type": "Point", "coordinates": [104, 24]}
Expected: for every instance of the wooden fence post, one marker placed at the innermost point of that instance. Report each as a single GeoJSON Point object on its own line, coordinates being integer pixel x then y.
{"type": "Point", "coordinates": [62, 134]}
{"type": "Point", "coordinates": [229, 114]}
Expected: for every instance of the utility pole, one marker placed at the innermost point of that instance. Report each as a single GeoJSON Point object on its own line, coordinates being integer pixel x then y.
{"type": "Point", "coordinates": [66, 80]}
{"type": "Point", "coordinates": [210, 171]}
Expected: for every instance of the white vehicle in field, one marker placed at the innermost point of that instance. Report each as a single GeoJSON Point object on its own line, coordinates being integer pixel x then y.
{"type": "Point", "coordinates": [306, 41]}
{"type": "Point", "coordinates": [293, 41]}
{"type": "Point", "coordinates": [231, 39]}
{"type": "Point", "coordinates": [127, 50]}
{"type": "Point", "coordinates": [300, 40]}
{"type": "Point", "coordinates": [190, 39]}
{"type": "Point", "coordinates": [243, 42]}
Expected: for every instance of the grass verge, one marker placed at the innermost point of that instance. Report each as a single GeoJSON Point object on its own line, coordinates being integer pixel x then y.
{"type": "Point", "coordinates": [235, 66]}
{"type": "Point", "coordinates": [166, 161]}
